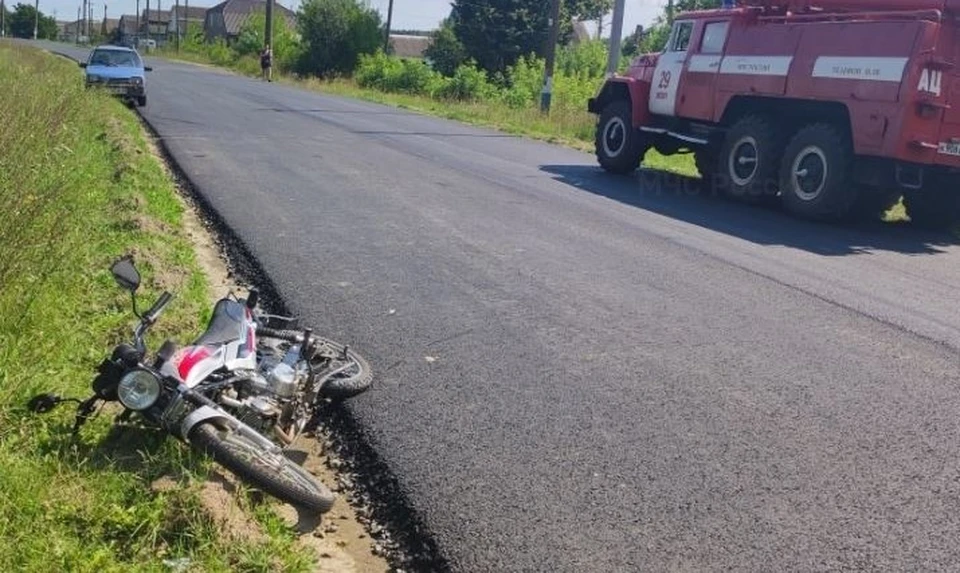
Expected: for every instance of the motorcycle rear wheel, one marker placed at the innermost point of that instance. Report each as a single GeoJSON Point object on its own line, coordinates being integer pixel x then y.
{"type": "Point", "coordinates": [273, 473]}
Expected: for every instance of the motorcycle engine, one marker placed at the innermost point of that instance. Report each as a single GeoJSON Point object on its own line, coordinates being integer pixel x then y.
{"type": "Point", "coordinates": [268, 397]}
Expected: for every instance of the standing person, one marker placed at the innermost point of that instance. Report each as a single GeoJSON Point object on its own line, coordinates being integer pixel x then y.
{"type": "Point", "coordinates": [266, 63]}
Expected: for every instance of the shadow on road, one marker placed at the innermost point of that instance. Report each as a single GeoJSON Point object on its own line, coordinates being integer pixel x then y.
{"type": "Point", "coordinates": [683, 198]}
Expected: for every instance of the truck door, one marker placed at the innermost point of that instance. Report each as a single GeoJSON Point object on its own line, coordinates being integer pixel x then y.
{"type": "Point", "coordinates": [666, 76]}
{"type": "Point", "coordinates": [698, 88]}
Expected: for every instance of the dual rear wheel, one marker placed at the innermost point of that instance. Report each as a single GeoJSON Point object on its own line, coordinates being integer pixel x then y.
{"type": "Point", "coordinates": [809, 171]}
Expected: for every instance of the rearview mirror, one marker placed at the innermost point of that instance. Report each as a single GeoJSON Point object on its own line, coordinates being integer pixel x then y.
{"type": "Point", "coordinates": [82, 64]}
{"type": "Point", "coordinates": [126, 274]}
{"type": "Point", "coordinates": [147, 69]}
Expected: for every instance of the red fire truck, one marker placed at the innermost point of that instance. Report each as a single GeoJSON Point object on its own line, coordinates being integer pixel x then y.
{"type": "Point", "coordinates": [832, 107]}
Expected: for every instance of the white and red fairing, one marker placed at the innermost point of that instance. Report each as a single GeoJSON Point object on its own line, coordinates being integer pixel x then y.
{"type": "Point", "coordinates": [230, 342]}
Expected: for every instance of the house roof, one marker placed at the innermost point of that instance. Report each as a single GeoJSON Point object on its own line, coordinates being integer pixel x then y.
{"type": "Point", "coordinates": [192, 12]}
{"type": "Point", "coordinates": [156, 16]}
{"type": "Point", "coordinates": [236, 12]}
{"type": "Point", "coordinates": [409, 46]}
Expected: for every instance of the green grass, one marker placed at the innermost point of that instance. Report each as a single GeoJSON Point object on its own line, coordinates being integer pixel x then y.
{"type": "Point", "coordinates": [81, 188]}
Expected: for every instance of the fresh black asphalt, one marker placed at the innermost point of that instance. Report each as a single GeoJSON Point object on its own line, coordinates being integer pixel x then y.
{"type": "Point", "coordinates": [579, 372]}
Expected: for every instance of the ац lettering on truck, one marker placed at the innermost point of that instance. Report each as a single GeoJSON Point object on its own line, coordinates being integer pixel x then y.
{"type": "Point", "coordinates": [835, 108]}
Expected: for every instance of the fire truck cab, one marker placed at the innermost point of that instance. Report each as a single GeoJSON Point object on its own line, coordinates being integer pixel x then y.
{"type": "Point", "coordinates": [835, 108]}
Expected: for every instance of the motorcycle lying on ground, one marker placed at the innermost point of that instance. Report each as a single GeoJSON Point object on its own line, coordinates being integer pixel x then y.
{"type": "Point", "coordinates": [241, 393]}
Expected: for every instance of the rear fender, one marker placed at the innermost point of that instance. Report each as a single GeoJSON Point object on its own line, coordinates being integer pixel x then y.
{"type": "Point", "coordinates": [637, 92]}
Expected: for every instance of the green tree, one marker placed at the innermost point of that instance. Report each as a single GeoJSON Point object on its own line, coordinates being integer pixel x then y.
{"type": "Point", "coordinates": [588, 10]}
{"type": "Point", "coordinates": [335, 33]}
{"type": "Point", "coordinates": [286, 47]}
{"type": "Point", "coordinates": [22, 20]}
{"type": "Point", "coordinates": [446, 53]}
{"type": "Point", "coordinates": [496, 33]}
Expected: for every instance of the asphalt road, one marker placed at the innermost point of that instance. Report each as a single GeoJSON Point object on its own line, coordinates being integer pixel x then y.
{"type": "Point", "coordinates": [578, 372]}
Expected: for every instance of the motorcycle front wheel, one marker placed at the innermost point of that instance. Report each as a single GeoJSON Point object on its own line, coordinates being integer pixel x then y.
{"type": "Point", "coordinates": [346, 376]}
{"type": "Point", "coordinates": [275, 474]}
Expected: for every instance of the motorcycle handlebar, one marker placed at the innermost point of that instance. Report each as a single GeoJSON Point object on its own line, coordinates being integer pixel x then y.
{"type": "Point", "coordinates": [288, 335]}
{"type": "Point", "coordinates": [151, 316]}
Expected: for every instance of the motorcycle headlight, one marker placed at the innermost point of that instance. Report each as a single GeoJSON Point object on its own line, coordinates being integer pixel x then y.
{"type": "Point", "coordinates": [139, 389]}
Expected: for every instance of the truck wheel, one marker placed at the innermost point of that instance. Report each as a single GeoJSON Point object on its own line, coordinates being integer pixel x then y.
{"type": "Point", "coordinates": [619, 146]}
{"type": "Point", "coordinates": [936, 209]}
{"type": "Point", "coordinates": [815, 174]}
{"type": "Point", "coordinates": [142, 101]}
{"type": "Point", "coordinates": [749, 160]}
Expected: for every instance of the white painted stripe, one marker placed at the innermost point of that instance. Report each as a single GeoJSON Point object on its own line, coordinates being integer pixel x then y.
{"type": "Point", "coordinates": [709, 64]}
{"type": "Point", "coordinates": [860, 68]}
{"type": "Point", "coordinates": [756, 65]}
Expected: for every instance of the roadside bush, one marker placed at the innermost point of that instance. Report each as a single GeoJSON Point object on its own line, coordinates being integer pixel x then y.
{"type": "Point", "coordinates": [526, 81]}
{"type": "Point", "coordinates": [469, 83]}
{"type": "Point", "coordinates": [585, 60]}
{"type": "Point", "coordinates": [389, 74]}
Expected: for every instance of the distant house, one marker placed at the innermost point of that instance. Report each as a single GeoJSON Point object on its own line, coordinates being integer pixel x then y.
{"type": "Point", "coordinates": [186, 17]}
{"type": "Point", "coordinates": [225, 20]}
{"type": "Point", "coordinates": [67, 31]}
{"type": "Point", "coordinates": [404, 46]}
{"type": "Point", "coordinates": [127, 30]}
{"type": "Point", "coordinates": [156, 29]}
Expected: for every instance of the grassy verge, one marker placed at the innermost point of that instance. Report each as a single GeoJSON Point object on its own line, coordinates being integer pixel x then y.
{"type": "Point", "coordinates": [81, 187]}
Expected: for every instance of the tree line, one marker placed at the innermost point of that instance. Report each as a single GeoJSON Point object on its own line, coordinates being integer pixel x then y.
{"type": "Point", "coordinates": [20, 21]}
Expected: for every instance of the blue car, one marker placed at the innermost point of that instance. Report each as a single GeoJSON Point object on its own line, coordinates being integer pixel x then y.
{"type": "Point", "coordinates": [119, 70]}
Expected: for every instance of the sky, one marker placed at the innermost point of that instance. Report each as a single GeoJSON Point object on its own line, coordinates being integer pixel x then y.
{"type": "Point", "coordinates": [407, 14]}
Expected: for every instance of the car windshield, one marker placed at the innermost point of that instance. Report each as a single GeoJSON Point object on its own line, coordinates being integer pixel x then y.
{"type": "Point", "coordinates": [114, 58]}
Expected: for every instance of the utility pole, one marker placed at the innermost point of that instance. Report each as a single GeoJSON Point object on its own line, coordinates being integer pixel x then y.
{"type": "Point", "coordinates": [670, 12]}
{"type": "Point", "coordinates": [547, 93]}
{"type": "Point", "coordinates": [176, 22]}
{"type": "Point", "coordinates": [3, 21]}
{"type": "Point", "coordinates": [147, 18]}
{"type": "Point", "coordinates": [386, 40]}
{"type": "Point", "coordinates": [268, 33]}
{"type": "Point", "coordinates": [36, 17]}
{"type": "Point", "coordinates": [136, 42]}
{"type": "Point", "coordinates": [76, 31]}
{"type": "Point", "coordinates": [186, 19]}
{"type": "Point", "coordinates": [616, 36]}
